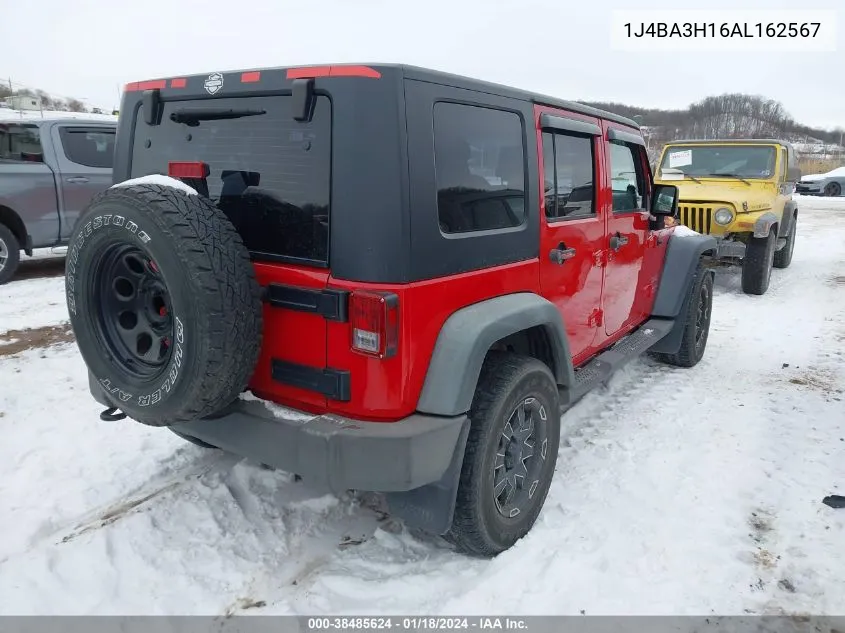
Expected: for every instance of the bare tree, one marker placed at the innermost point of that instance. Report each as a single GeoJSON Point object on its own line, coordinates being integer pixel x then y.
{"type": "Point", "coordinates": [46, 100]}
{"type": "Point", "coordinates": [75, 105]}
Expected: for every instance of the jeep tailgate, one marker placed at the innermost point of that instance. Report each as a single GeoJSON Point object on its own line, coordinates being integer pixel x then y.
{"type": "Point", "coordinates": [270, 174]}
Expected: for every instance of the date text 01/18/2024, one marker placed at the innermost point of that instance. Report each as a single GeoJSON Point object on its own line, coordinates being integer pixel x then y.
{"type": "Point", "coordinates": [758, 30]}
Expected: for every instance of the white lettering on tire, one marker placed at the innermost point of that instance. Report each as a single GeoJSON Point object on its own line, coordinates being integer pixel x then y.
{"type": "Point", "coordinates": [73, 252]}
{"type": "Point", "coordinates": [173, 374]}
{"type": "Point", "coordinates": [115, 391]}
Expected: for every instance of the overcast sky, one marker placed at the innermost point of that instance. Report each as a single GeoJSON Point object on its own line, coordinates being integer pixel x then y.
{"type": "Point", "coordinates": [90, 48]}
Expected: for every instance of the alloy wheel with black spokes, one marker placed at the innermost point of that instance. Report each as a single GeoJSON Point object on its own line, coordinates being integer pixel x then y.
{"type": "Point", "coordinates": [522, 449]}
{"type": "Point", "coordinates": [695, 320]}
{"type": "Point", "coordinates": [702, 317]}
{"type": "Point", "coordinates": [833, 189]}
{"type": "Point", "coordinates": [510, 454]}
{"type": "Point", "coordinates": [134, 317]}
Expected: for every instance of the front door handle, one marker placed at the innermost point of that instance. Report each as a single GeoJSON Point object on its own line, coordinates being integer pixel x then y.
{"type": "Point", "coordinates": [618, 241]}
{"type": "Point", "coordinates": [560, 254]}
{"type": "Point", "coordinates": [77, 179]}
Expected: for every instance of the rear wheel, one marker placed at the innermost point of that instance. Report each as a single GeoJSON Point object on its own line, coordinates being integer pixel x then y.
{"type": "Point", "coordinates": [833, 189]}
{"type": "Point", "coordinates": [783, 257]}
{"type": "Point", "coordinates": [164, 303]}
{"type": "Point", "coordinates": [10, 254]}
{"type": "Point", "coordinates": [757, 264]}
{"type": "Point", "coordinates": [510, 455]}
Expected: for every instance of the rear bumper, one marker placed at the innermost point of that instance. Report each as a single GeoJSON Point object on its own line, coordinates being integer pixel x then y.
{"type": "Point", "coordinates": [333, 451]}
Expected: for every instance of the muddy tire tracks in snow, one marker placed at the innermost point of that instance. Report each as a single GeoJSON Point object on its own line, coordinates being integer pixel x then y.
{"type": "Point", "coordinates": [143, 497]}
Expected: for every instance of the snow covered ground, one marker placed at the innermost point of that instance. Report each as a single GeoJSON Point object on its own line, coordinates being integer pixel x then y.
{"type": "Point", "coordinates": [677, 492]}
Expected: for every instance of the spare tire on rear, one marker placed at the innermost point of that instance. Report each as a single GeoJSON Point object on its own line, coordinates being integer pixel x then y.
{"type": "Point", "coordinates": [164, 302]}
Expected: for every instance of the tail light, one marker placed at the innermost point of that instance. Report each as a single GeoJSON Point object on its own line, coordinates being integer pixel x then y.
{"type": "Point", "coordinates": [192, 170]}
{"type": "Point", "coordinates": [374, 317]}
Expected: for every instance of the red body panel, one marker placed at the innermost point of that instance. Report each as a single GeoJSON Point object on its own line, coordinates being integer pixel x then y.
{"type": "Point", "coordinates": [632, 271]}
{"type": "Point", "coordinates": [575, 287]}
{"type": "Point", "coordinates": [389, 389]}
{"type": "Point", "coordinates": [601, 295]}
{"type": "Point", "coordinates": [296, 337]}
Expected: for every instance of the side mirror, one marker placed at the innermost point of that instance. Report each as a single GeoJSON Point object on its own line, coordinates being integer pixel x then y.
{"type": "Point", "coordinates": [793, 174]}
{"type": "Point", "coordinates": [665, 200]}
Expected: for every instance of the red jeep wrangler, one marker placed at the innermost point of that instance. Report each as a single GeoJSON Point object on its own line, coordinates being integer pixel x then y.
{"type": "Point", "coordinates": [413, 273]}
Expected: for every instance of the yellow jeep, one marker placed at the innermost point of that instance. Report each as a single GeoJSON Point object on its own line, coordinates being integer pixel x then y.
{"type": "Point", "coordinates": [740, 192]}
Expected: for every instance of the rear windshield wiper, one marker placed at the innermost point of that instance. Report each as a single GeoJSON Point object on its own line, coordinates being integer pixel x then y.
{"type": "Point", "coordinates": [192, 117]}
{"type": "Point", "coordinates": [731, 176]}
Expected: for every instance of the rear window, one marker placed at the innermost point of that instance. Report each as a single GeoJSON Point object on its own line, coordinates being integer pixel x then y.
{"type": "Point", "coordinates": [269, 173]}
{"type": "Point", "coordinates": [89, 147]}
{"type": "Point", "coordinates": [19, 141]}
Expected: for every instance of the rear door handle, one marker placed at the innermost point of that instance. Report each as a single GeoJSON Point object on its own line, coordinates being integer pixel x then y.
{"type": "Point", "coordinates": [560, 254]}
{"type": "Point", "coordinates": [77, 179]}
{"type": "Point", "coordinates": [618, 241]}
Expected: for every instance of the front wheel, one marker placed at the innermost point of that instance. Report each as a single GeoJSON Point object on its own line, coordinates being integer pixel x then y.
{"type": "Point", "coordinates": [696, 322]}
{"type": "Point", "coordinates": [10, 254]}
{"type": "Point", "coordinates": [757, 264]}
{"type": "Point", "coordinates": [510, 454]}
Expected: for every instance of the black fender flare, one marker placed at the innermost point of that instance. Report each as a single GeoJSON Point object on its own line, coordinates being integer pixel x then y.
{"type": "Point", "coordinates": [682, 257]}
{"type": "Point", "coordinates": [763, 224]}
{"type": "Point", "coordinates": [467, 336]}
{"type": "Point", "coordinates": [790, 212]}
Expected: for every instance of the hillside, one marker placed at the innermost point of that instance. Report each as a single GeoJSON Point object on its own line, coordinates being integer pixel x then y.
{"type": "Point", "coordinates": [728, 115]}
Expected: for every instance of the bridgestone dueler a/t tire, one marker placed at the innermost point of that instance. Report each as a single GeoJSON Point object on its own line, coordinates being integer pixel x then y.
{"type": "Point", "coordinates": [506, 380]}
{"type": "Point", "coordinates": [214, 301]}
{"type": "Point", "coordinates": [757, 264]}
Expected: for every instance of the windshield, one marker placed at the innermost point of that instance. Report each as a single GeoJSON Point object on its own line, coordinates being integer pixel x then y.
{"type": "Point", "coordinates": [722, 161]}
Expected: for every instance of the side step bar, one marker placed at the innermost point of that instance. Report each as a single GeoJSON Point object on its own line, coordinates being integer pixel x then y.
{"type": "Point", "coordinates": [623, 351]}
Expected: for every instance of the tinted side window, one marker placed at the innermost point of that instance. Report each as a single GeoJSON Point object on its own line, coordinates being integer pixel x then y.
{"type": "Point", "coordinates": [569, 183]}
{"type": "Point", "coordinates": [19, 141]}
{"type": "Point", "coordinates": [479, 160]}
{"type": "Point", "coordinates": [626, 177]}
{"type": "Point", "coordinates": [89, 147]}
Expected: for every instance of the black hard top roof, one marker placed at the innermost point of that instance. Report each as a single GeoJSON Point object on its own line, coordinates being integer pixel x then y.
{"type": "Point", "coordinates": [459, 81]}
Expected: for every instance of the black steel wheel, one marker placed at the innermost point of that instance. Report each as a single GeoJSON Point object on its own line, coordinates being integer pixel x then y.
{"type": "Point", "coordinates": [134, 320]}
{"type": "Point", "coordinates": [164, 303]}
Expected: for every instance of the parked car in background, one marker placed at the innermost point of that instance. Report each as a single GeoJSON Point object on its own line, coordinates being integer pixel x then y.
{"type": "Point", "coordinates": [830, 184]}
{"type": "Point", "coordinates": [740, 192]}
{"type": "Point", "coordinates": [49, 171]}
